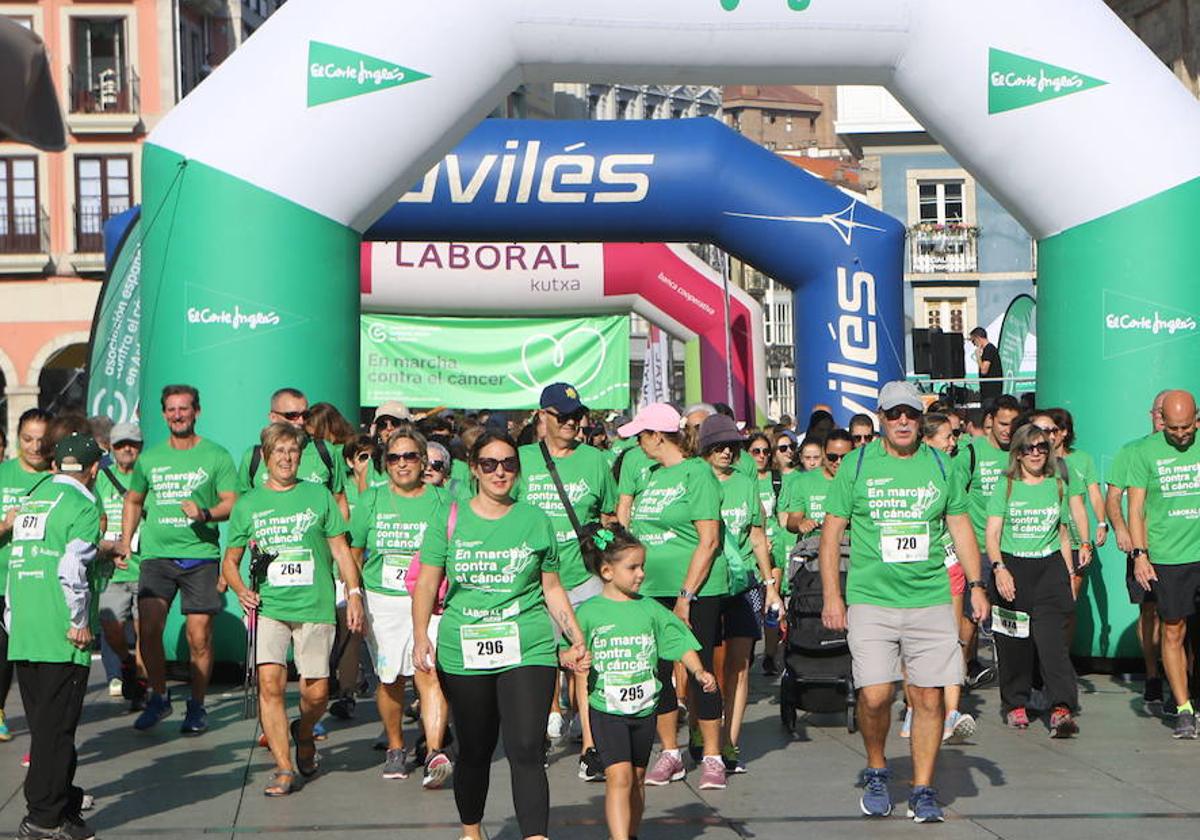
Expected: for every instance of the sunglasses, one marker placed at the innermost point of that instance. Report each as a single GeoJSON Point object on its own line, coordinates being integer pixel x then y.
{"type": "Point", "coordinates": [362, 456]}
{"type": "Point", "coordinates": [387, 422]}
{"type": "Point", "coordinates": [292, 415]}
{"type": "Point", "coordinates": [894, 414]}
{"type": "Point", "coordinates": [833, 457]}
{"type": "Point", "coordinates": [576, 416]}
{"type": "Point", "coordinates": [863, 438]}
{"type": "Point", "coordinates": [1049, 429]}
{"type": "Point", "coordinates": [122, 444]}
{"type": "Point", "coordinates": [957, 432]}
{"type": "Point", "coordinates": [1030, 448]}
{"type": "Point", "coordinates": [758, 450]}
{"type": "Point", "coordinates": [437, 466]}
{"type": "Point", "coordinates": [724, 446]}
{"type": "Point", "coordinates": [783, 447]}
{"type": "Point", "coordinates": [409, 457]}
{"type": "Point", "coordinates": [489, 465]}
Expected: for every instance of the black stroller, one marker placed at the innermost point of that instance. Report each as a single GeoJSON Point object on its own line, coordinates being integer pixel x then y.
{"type": "Point", "coordinates": [817, 676]}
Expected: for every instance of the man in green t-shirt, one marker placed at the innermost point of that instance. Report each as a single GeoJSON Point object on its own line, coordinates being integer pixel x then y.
{"type": "Point", "coordinates": [899, 500]}
{"type": "Point", "coordinates": [1148, 629]}
{"type": "Point", "coordinates": [318, 462]}
{"type": "Point", "coordinates": [184, 486]}
{"type": "Point", "coordinates": [1164, 523]}
{"type": "Point", "coordinates": [587, 480]}
{"type": "Point", "coordinates": [119, 601]}
{"type": "Point", "coordinates": [54, 538]}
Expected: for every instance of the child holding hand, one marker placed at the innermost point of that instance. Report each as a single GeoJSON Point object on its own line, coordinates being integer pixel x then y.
{"type": "Point", "coordinates": [627, 636]}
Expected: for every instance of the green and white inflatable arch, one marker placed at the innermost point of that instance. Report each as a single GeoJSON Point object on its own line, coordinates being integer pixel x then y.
{"type": "Point", "coordinates": [257, 186]}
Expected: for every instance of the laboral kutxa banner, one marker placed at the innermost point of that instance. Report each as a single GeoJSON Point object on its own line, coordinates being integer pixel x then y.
{"type": "Point", "coordinates": [497, 363]}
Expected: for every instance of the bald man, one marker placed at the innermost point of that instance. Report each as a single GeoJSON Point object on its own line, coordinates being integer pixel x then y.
{"type": "Point", "coordinates": [1164, 525]}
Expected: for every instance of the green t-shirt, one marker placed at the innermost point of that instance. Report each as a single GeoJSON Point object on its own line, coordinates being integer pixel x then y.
{"type": "Point", "coordinates": [169, 476]}
{"type": "Point", "coordinates": [1081, 469]}
{"type": "Point", "coordinates": [741, 511]}
{"type": "Point", "coordinates": [990, 462]}
{"type": "Point", "coordinates": [664, 518]}
{"type": "Point", "coordinates": [1118, 473]}
{"type": "Point", "coordinates": [897, 509]}
{"type": "Point", "coordinates": [312, 469]}
{"type": "Point", "coordinates": [806, 494]}
{"type": "Point", "coordinates": [635, 471]}
{"type": "Point", "coordinates": [390, 527]}
{"type": "Point", "coordinates": [296, 524]}
{"type": "Point", "coordinates": [626, 640]}
{"type": "Point", "coordinates": [1171, 478]}
{"type": "Point", "coordinates": [353, 494]}
{"type": "Point", "coordinates": [780, 539]}
{"type": "Point", "coordinates": [58, 521]}
{"type": "Point", "coordinates": [1032, 514]}
{"type": "Point", "coordinates": [744, 465]}
{"type": "Point", "coordinates": [15, 482]}
{"type": "Point", "coordinates": [495, 617]}
{"type": "Point", "coordinates": [587, 478]}
{"type": "Point", "coordinates": [113, 502]}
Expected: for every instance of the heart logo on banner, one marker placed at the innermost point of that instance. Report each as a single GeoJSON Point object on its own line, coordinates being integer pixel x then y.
{"type": "Point", "coordinates": [559, 357]}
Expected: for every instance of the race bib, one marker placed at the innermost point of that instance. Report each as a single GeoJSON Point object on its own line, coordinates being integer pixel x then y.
{"type": "Point", "coordinates": [1011, 623]}
{"type": "Point", "coordinates": [904, 542]}
{"type": "Point", "coordinates": [135, 544]}
{"type": "Point", "coordinates": [394, 568]}
{"type": "Point", "coordinates": [489, 646]}
{"type": "Point", "coordinates": [30, 524]}
{"type": "Point", "coordinates": [293, 567]}
{"type": "Point", "coordinates": [951, 555]}
{"type": "Point", "coordinates": [629, 694]}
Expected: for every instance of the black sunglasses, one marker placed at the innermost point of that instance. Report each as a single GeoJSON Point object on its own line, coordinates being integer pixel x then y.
{"type": "Point", "coordinates": [362, 456]}
{"type": "Point", "coordinates": [957, 432]}
{"type": "Point", "coordinates": [833, 457]}
{"type": "Point", "coordinates": [511, 464]}
{"type": "Point", "coordinates": [758, 450]}
{"type": "Point", "coordinates": [387, 421]}
{"type": "Point", "coordinates": [864, 438]}
{"type": "Point", "coordinates": [783, 447]}
{"type": "Point", "coordinates": [1048, 429]}
{"type": "Point", "coordinates": [293, 415]}
{"type": "Point", "coordinates": [437, 466]}
{"type": "Point", "coordinates": [410, 456]}
{"type": "Point", "coordinates": [576, 416]}
{"type": "Point", "coordinates": [894, 414]}
{"type": "Point", "coordinates": [725, 445]}
{"type": "Point", "coordinates": [1030, 448]}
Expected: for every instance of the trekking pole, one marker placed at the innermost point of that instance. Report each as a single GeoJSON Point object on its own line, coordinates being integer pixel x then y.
{"type": "Point", "coordinates": [259, 561]}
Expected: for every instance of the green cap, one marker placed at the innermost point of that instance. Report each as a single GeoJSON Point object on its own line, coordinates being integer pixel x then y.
{"type": "Point", "coordinates": [76, 452]}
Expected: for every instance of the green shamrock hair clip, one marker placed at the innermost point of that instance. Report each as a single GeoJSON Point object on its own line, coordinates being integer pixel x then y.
{"type": "Point", "coordinates": [603, 539]}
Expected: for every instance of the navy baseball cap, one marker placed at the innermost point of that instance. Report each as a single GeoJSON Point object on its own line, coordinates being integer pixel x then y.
{"type": "Point", "coordinates": [561, 397]}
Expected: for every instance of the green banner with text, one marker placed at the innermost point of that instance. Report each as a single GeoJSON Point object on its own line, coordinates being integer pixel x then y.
{"type": "Point", "coordinates": [115, 361]}
{"type": "Point", "coordinates": [497, 363]}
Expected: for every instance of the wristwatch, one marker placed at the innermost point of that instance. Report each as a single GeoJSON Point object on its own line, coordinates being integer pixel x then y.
{"type": "Point", "coordinates": [355, 591]}
{"type": "Point", "coordinates": [687, 595]}
{"type": "Point", "coordinates": [1136, 553]}
{"type": "Point", "coordinates": [976, 584]}
{"type": "Point", "coordinates": [998, 565]}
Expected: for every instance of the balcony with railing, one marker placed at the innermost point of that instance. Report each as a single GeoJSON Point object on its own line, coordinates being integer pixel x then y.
{"type": "Point", "coordinates": [104, 101]}
{"type": "Point", "coordinates": [24, 240]}
{"type": "Point", "coordinates": [943, 249]}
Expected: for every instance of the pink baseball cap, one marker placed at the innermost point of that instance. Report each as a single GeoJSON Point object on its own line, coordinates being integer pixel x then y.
{"type": "Point", "coordinates": [656, 417]}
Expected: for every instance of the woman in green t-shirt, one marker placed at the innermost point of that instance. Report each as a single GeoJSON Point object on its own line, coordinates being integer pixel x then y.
{"type": "Point", "coordinates": [496, 655]}
{"type": "Point", "coordinates": [627, 634]}
{"type": "Point", "coordinates": [385, 532]}
{"type": "Point", "coordinates": [1029, 547]}
{"type": "Point", "coordinates": [748, 560]}
{"type": "Point", "coordinates": [770, 485]}
{"type": "Point", "coordinates": [677, 516]}
{"type": "Point", "coordinates": [297, 524]}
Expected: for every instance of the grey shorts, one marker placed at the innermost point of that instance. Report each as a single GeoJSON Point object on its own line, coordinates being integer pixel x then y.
{"type": "Point", "coordinates": [311, 645]}
{"type": "Point", "coordinates": [118, 601]}
{"type": "Point", "coordinates": [588, 589]}
{"type": "Point", "coordinates": [924, 640]}
{"type": "Point", "coordinates": [162, 578]}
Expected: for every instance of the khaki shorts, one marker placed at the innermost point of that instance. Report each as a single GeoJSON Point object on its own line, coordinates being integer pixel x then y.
{"type": "Point", "coordinates": [312, 644]}
{"type": "Point", "coordinates": [922, 639]}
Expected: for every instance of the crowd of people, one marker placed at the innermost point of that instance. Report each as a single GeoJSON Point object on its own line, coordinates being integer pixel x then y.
{"type": "Point", "coordinates": [567, 574]}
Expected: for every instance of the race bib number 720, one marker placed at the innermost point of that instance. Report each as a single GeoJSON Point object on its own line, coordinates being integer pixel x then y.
{"type": "Point", "coordinates": [904, 542]}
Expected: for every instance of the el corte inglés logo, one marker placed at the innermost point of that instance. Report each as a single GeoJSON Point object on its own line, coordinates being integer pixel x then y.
{"type": "Point", "coordinates": [335, 73]}
{"type": "Point", "coordinates": [1015, 81]}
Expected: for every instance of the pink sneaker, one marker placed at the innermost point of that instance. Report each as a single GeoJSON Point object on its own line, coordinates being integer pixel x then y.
{"type": "Point", "coordinates": [25, 760]}
{"type": "Point", "coordinates": [712, 773]}
{"type": "Point", "coordinates": [1018, 719]}
{"type": "Point", "coordinates": [669, 768]}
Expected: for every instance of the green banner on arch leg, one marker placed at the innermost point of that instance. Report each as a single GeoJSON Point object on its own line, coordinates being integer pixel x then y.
{"type": "Point", "coordinates": [1118, 321]}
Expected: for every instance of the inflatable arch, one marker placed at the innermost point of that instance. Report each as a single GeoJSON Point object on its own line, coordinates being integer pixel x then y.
{"type": "Point", "coordinates": [687, 181]}
{"type": "Point", "coordinates": [335, 115]}
{"type": "Point", "coordinates": [666, 284]}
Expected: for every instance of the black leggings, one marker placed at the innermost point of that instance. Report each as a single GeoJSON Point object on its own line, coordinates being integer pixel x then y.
{"type": "Point", "coordinates": [705, 619]}
{"type": "Point", "coordinates": [513, 704]}
{"type": "Point", "coordinates": [6, 667]}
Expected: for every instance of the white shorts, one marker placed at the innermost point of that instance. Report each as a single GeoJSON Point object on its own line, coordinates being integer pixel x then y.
{"type": "Point", "coordinates": [390, 634]}
{"type": "Point", "coordinates": [590, 588]}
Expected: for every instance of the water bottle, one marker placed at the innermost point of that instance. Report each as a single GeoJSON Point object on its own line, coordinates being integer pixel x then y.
{"type": "Point", "coordinates": [772, 619]}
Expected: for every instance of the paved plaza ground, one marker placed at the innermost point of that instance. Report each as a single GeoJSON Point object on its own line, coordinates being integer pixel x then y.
{"type": "Point", "coordinates": [1123, 777]}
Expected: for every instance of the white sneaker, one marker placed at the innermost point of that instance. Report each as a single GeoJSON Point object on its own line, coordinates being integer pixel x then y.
{"type": "Point", "coordinates": [575, 730]}
{"type": "Point", "coordinates": [554, 726]}
{"type": "Point", "coordinates": [114, 687]}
